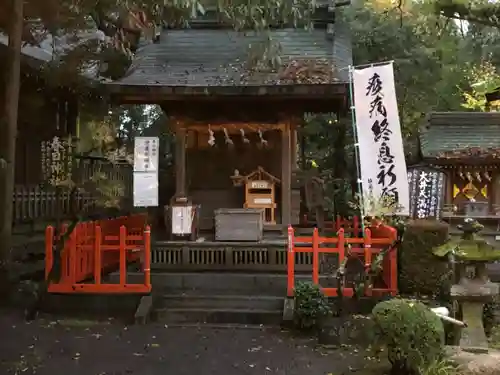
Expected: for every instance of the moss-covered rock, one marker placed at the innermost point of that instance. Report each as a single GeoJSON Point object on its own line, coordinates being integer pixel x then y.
{"type": "Point", "coordinates": [420, 271]}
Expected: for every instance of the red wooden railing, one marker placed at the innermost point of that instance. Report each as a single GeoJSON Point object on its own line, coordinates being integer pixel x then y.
{"type": "Point", "coordinates": [94, 248]}
{"type": "Point", "coordinates": [372, 243]}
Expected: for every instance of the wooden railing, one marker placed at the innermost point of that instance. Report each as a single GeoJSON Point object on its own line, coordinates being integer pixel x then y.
{"type": "Point", "coordinates": [364, 249]}
{"type": "Point", "coordinates": [37, 203]}
{"type": "Point", "coordinates": [96, 247]}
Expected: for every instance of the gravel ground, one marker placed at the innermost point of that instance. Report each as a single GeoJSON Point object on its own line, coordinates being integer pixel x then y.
{"type": "Point", "coordinates": [109, 348]}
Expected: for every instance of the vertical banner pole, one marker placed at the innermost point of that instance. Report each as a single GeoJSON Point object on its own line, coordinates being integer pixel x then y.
{"type": "Point", "coordinates": [356, 148]}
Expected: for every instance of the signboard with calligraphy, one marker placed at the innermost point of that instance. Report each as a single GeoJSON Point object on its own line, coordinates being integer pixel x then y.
{"type": "Point", "coordinates": [426, 193]}
{"type": "Point", "coordinates": [146, 151]}
{"type": "Point", "coordinates": [381, 154]}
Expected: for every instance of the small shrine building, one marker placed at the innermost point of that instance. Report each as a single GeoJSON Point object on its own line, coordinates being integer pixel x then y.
{"type": "Point", "coordinates": [466, 147]}
{"type": "Point", "coordinates": [231, 121]}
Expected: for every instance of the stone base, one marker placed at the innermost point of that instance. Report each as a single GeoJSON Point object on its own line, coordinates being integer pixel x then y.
{"type": "Point", "coordinates": [476, 364]}
{"type": "Point", "coordinates": [473, 336]}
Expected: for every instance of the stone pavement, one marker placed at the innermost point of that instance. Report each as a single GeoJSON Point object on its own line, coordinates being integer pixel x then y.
{"type": "Point", "coordinates": [45, 347]}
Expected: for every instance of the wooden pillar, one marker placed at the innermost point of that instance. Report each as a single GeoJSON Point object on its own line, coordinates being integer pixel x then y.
{"type": "Point", "coordinates": [180, 161]}
{"type": "Point", "coordinates": [295, 149]}
{"type": "Point", "coordinates": [286, 174]}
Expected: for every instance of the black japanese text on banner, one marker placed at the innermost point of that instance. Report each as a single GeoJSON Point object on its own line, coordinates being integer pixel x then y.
{"type": "Point", "coordinates": [381, 154]}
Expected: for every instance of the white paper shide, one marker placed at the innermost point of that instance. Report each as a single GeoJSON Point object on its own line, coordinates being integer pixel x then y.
{"type": "Point", "coordinates": [146, 151]}
{"type": "Point", "coordinates": [381, 154]}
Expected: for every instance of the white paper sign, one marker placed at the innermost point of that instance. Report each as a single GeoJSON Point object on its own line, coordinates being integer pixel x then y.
{"type": "Point", "coordinates": [146, 150]}
{"type": "Point", "coordinates": [182, 218]}
{"type": "Point", "coordinates": [381, 154]}
{"type": "Point", "coordinates": [145, 189]}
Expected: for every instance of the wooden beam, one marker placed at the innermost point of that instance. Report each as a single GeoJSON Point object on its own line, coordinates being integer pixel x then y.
{"type": "Point", "coordinates": [180, 162]}
{"type": "Point", "coordinates": [286, 175]}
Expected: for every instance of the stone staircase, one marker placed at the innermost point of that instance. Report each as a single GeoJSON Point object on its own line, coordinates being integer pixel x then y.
{"type": "Point", "coordinates": [186, 298]}
{"type": "Point", "coordinates": [219, 298]}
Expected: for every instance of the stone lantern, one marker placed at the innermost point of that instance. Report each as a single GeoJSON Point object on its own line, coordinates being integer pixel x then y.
{"type": "Point", "coordinates": [472, 288]}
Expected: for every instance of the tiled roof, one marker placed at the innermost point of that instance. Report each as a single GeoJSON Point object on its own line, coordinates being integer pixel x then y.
{"type": "Point", "coordinates": [49, 49]}
{"type": "Point", "coordinates": [216, 57]}
{"type": "Point", "coordinates": [444, 132]}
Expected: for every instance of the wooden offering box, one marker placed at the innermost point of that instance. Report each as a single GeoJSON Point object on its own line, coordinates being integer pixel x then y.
{"type": "Point", "coordinates": [259, 193]}
{"type": "Point", "coordinates": [238, 224]}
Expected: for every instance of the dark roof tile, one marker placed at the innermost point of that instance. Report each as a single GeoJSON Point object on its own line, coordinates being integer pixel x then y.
{"type": "Point", "coordinates": [445, 132]}
{"type": "Point", "coordinates": [211, 57]}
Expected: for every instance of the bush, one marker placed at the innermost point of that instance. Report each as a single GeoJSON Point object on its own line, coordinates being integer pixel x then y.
{"type": "Point", "coordinates": [311, 305]}
{"type": "Point", "coordinates": [411, 332]}
{"type": "Point", "coordinates": [420, 272]}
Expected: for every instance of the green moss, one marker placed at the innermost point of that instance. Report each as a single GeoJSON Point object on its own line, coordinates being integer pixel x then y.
{"type": "Point", "coordinates": [475, 249]}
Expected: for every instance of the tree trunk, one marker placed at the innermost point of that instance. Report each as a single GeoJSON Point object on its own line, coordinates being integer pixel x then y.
{"type": "Point", "coordinates": [8, 139]}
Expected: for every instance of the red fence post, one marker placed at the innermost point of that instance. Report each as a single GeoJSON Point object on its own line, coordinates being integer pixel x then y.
{"type": "Point", "coordinates": [147, 257]}
{"type": "Point", "coordinates": [367, 250]}
{"type": "Point", "coordinates": [341, 245]}
{"type": "Point", "coordinates": [123, 255]}
{"type": "Point", "coordinates": [315, 254]}
{"type": "Point", "coordinates": [49, 255]}
{"type": "Point", "coordinates": [290, 263]}
{"type": "Point", "coordinates": [97, 255]}
{"type": "Point", "coordinates": [393, 261]}
{"type": "Point", "coordinates": [72, 255]}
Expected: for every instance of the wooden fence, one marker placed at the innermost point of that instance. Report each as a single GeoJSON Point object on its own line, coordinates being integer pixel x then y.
{"type": "Point", "coordinates": [364, 249]}
{"type": "Point", "coordinates": [96, 247]}
{"type": "Point", "coordinates": [34, 202]}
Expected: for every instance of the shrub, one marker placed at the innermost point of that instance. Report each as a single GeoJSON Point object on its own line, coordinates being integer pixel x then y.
{"type": "Point", "coordinates": [440, 367]}
{"type": "Point", "coordinates": [411, 332]}
{"type": "Point", "coordinates": [311, 305]}
{"type": "Point", "coordinates": [420, 272]}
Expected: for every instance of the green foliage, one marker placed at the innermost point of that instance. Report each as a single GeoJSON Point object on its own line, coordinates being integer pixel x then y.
{"type": "Point", "coordinates": [427, 52]}
{"type": "Point", "coordinates": [420, 271]}
{"type": "Point", "coordinates": [311, 305]}
{"type": "Point", "coordinates": [328, 146]}
{"type": "Point", "coordinates": [491, 315]}
{"type": "Point", "coordinates": [411, 332]}
{"type": "Point", "coordinates": [483, 79]}
{"type": "Point", "coordinates": [440, 367]}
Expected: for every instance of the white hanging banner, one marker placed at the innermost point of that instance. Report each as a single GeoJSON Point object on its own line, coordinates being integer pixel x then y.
{"type": "Point", "coordinates": [145, 189]}
{"type": "Point", "coordinates": [381, 154]}
{"type": "Point", "coordinates": [146, 154]}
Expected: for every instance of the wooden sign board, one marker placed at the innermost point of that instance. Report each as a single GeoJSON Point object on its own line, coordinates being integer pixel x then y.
{"type": "Point", "coordinates": [260, 184]}
{"type": "Point", "coordinates": [182, 220]}
{"type": "Point", "coordinates": [426, 192]}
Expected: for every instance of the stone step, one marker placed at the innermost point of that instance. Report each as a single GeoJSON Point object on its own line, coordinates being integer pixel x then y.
{"type": "Point", "coordinates": [213, 283]}
{"type": "Point", "coordinates": [226, 301]}
{"type": "Point", "coordinates": [218, 316]}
